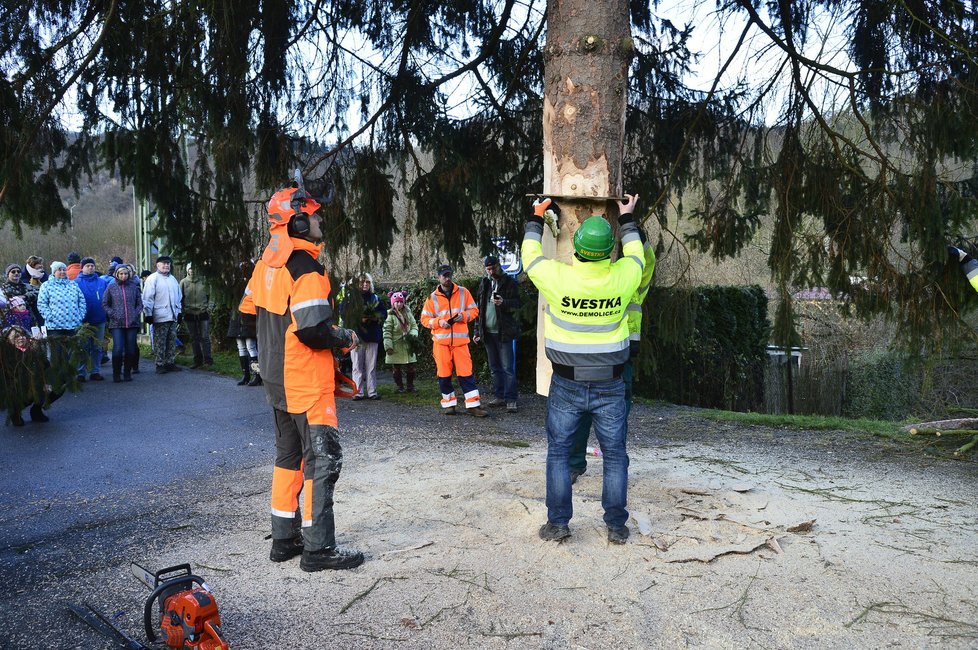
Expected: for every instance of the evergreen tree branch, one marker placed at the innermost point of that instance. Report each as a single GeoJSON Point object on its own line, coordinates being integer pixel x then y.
{"type": "Point", "coordinates": [58, 95]}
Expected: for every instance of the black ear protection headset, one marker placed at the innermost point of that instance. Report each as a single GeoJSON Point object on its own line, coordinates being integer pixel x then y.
{"type": "Point", "coordinates": [299, 223]}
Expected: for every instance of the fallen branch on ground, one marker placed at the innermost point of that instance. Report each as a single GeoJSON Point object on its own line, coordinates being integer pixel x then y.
{"type": "Point", "coordinates": [943, 425]}
{"type": "Point", "coordinates": [409, 548]}
{"type": "Point", "coordinates": [364, 594]}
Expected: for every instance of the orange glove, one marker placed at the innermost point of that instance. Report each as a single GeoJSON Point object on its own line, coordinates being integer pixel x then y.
{"type": "Point", "coordinates": [540, 206]}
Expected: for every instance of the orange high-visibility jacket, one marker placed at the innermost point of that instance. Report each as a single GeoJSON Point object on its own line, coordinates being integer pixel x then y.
{"type": "Point", "coordinates": [296, 333]}
{"type": "Point", "coordinates": [439, 306]}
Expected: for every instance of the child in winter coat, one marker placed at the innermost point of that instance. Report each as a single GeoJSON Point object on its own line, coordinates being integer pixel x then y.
{"type": "Point", "coordinates": [18, 314]}
{"type": "Point", "coordinates": [399, 328]}
{"type": "Point", "coordinates": [24, 376]}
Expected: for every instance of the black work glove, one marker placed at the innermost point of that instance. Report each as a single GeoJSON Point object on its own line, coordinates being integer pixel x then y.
{"type": "Point", "coordinates": [148, 319]}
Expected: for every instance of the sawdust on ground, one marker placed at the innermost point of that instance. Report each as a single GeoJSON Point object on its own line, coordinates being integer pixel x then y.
{"type": "Point", "coordinates": [882, 552]}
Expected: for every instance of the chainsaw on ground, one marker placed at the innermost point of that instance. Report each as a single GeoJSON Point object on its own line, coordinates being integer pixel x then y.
{"type": "Point", "coordinates": [188, 616]}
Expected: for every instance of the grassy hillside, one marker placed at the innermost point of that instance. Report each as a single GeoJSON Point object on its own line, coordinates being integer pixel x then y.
{"type": "Point", "coordinates": [101, 227]}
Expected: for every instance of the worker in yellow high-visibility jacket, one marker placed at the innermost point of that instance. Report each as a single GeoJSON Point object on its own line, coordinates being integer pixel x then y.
{"type": "Point", "coordinates": [969, 265]}
{"type": "Point", "coordinates": [586, 340]}
{"type": "Point", "coordinates": [578, 452]}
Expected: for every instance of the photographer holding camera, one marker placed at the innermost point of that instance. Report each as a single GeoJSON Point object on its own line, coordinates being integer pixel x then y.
{"type": "Point", "coordinates": [497, 327]}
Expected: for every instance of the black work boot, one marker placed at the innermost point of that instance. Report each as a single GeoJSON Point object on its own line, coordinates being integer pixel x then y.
{"type": "Point", "coordinates": [256, 380]}
{"type": "Point", "coordinates": [554, 532]}
{"type": "Point", "coordinates": [330, 558]}
{"type": "Point", "coordinates": [246, 369]}
{"type": "Point", "coordinates": [37, 414]}
{"type": "Point", "coordinates": [130, 362]}
{"type": "Point", "coordinates": [116, 369]}
{"type": "Point", "coordinates": [618, 535]}
{"type": "Point", "coordinates": [285, 549]}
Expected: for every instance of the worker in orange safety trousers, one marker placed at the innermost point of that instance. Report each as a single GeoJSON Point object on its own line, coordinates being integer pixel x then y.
{"type": "Point", "coordinates": [447, 312]}
{"type": "Point", "coordinates": [289, 294]}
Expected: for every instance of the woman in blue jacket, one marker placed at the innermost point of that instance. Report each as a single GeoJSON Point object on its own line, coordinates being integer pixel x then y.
{"type": "Point", "coordinates": [62, 305]}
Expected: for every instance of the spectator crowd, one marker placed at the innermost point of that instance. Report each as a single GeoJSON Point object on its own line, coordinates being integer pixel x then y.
{"type": "Point", "coordinates": [55, 318]}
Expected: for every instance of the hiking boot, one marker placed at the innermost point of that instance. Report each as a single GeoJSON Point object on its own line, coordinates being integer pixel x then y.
{"type": "Point", "coordinates": [256, 380]}
{"type": "Point", "coordinates": [399, 389]}
{"type": "Point", "coordinates": [196, 364]}
{"type": "Point", "coordinates": [172, 367]}
{"type": "Point", "coordinates": [330, 558]}
{"type": "Point", "coordinates": [16, 420]}
{"type": "Point", "coordinates": [37, 414]}
{"type": "Point", "coordinates": [496, 401]}
{"type": "Point", "coordinates": [511, 407]}
{"type": "Point", "coordinates": [374, 397]}
{"type": "Point", "coordinates": [477, 412]}
{"type": "Point", "coordinates": [285, 549]}
{"type": "Point", "coordinates": [161, 370]}
{"type": "Point", "coordinates": [96, 377]}
{"type": "Point", "coordinates": [617, 535]}
{"type": "Point", "coordinates": [81, 378]}
{"type": "Point", "coordinates": [357, 398]}
{"type": "Point", "coordinates": [576, 474]}
{"type": "Point", "coordinates": [448, 411]}
{"type": "Point", "coordinates": [554, 532]}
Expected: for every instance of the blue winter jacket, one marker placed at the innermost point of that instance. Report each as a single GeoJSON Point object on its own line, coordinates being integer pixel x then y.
{"type": "Point", "coordinates": [61, 303]}
{"type": "Point", "coordinates": [93, 287]}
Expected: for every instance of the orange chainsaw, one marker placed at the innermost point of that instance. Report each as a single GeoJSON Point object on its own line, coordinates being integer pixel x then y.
{"type": "Point", "coordinates": [188, 617]}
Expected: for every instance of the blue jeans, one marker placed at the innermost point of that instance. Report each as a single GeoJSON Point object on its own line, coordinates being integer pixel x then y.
{"type": "Point", "coordinates": [95, 350]}
{"type": "Point", "coordinates": [569, 402]}
{"type": "Point", "coordinates": [578, 452]}
{"type": "Point", "coordinates": [123, 341]}
{"type": "Point", "coordinates": [502, 366]}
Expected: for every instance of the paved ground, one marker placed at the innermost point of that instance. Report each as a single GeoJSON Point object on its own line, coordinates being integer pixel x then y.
{"type": "Point", "coordinates": [176, 468]}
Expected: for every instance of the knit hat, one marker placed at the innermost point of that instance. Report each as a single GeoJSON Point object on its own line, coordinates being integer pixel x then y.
{"type": "Point", "coordinates": [397, 296]}
{"type": "Point", "coordinates": [11, 267]}
{"type": "Point", "coordinates": [490, 260]}
{"type": "Point", "coordinates": [57, 265]}
{"type": "Point", "coordinates": [87, 260]}
{"type": "Point", "coordinates": [120, 267]}
{"type": "Point", "coordinates": [444, 269]}
{"type": "Point", "coordinates": [116, 260]}
{"type": "Point", "coordinates": [73, 257]}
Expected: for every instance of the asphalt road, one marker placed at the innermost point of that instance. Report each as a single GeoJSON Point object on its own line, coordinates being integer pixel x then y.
{"type": "Point", "coordinates": [111, 442]}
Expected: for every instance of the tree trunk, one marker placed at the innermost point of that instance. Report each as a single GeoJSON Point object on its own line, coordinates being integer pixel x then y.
{"type": "Point", "coordinates": [586, 59]}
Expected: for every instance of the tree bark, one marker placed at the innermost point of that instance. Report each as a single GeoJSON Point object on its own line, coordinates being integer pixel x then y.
{"type": "Point", "coordinates": [586, 58]}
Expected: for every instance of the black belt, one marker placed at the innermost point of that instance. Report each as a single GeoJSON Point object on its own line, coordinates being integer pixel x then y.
{"type": "Point", "coordinates": [589, 373]}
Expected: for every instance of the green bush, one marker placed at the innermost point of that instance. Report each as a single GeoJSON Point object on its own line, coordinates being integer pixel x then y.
{"type": "Point", "coordinates": [880, 385]}
{"type": "Point", "coordinates": [704, 347]}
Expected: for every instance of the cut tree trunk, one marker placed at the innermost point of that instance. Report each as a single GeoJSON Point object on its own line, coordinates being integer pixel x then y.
{"type": "Point", "coordinates": [941, 425]}
{"type": "Point", "coordinates": [586, 58]}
